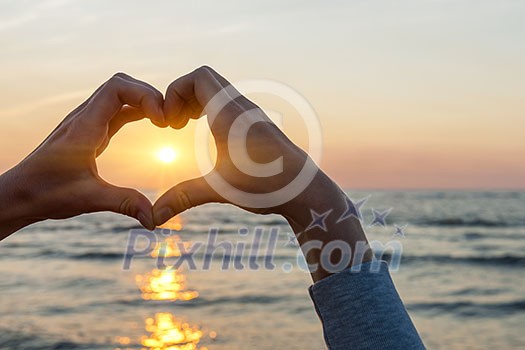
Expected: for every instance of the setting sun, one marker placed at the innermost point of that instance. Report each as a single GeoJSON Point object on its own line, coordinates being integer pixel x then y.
{"type": "Point", "coordinates": [167, 155]}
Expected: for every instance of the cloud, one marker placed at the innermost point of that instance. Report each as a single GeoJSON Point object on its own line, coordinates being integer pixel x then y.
{"type": "Point", "coordinates": [35, 105]}
{"type": "Point", "coordinates": [17, 21]}
{"type": "Point", "coordinates": [31, 14]}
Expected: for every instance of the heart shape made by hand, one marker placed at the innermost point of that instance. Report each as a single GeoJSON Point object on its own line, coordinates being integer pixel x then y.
{"type": "Point", "coordinates": [254, 158]}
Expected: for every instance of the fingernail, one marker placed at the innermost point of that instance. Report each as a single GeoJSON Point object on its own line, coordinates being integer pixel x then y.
{"type": "Point", "coordinates": [146, 221]}
{"type": "Point", "coordinates": [163, 215]}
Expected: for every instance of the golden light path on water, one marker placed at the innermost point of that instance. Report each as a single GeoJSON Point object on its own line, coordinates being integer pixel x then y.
{"type": "Point", "coordinates": [166, 284]}
{"type": "Point", "coordinates": [171, 246]}
{"type": "Point", "coordinates": [169, 333]}
{"type": "Point", "coordinates": [165, 330]}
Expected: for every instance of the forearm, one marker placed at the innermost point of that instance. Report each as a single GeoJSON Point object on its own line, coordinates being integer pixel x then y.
{"type": "Point", "coordinates": [359, 309]}
{"type": "Point", "coordinates": [326, 199]}
{"type": "Point", "coordinates": [15, 203]}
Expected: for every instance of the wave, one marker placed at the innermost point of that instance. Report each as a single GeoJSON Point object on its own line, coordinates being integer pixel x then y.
{"type": "Point", "coordinates": [58, 254]}
{"type": "Point", "coordinates": [507, 260]}
{"type": "Point", "coordinates": [471, 309]}
{"type": "Point", "coordinates": [494, 235]}
{"type": "Point", "coordinates": [97, 256]}
{"type": "Point", "coordinates": [472, 236]}
{"type": "Point", "coordinates": [83, 283]}
{"type": "Point", "coordinates": [247, 299]}
{"type": "Point", "coordinates": [204, 301]}
{"type": "Point", "coordinates": [118, 229]}
{"type": "Point", "coordinates": [43, 228]}
{"type": "Point", "coordinates": [502, 260]}
{"type": "Point", "coordinates": [32, 341]}
{"type": "Point", "coordinates": [458, 221]}
{"type": "Point", "coordinates": [478, 291]}
{"type": "Point", "coordinates": [245, 259]}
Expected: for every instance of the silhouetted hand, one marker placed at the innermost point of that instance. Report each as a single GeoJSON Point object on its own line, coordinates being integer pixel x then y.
{"type": "Point", "coordinates": [258, 169]}
{"type": "Point", "coordinates": [60, 180]}
{"type": "Point", "coordinates": [255, 160]}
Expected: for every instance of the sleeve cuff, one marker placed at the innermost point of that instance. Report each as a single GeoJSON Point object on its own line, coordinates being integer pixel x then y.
{"type": "Point", "coordinates": [361, 309]}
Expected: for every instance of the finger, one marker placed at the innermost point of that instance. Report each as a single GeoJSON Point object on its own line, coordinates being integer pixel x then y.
{"type": "Point", "coordinates": [181, 110]}
{"type": "Point", "coordinates": [187, 96]}
{"type": "Point", "coordinates": [126, 115]}
{"type": "Point", "coordinates": [125, 201]}
{"type": "Point", "coordinates": [122, 90]}
{"type": "Point", "coordinates": [85, 103]}
{"type": "Point", "coordinates": [182, 197]}
{"type": "Point", "coordinates": [73, 113]}
{"type": "Point", "coordinates": [203, 91]}
{"type": "Point", "coordinates": [239, 98]}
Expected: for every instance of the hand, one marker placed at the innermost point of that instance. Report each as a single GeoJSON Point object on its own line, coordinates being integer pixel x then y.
{"type": "Point", "coordinates": [261, 160]}
{"type": "Point", "coordinates": [60, 180]}
{"type": "Point", "coordinates": [254, 157]}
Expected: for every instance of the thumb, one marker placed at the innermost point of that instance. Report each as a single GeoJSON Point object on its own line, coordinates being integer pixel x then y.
{"type": "Point", "coordinates": [128, 202]}
{"type": "Point", "coordinates": [186, 195]}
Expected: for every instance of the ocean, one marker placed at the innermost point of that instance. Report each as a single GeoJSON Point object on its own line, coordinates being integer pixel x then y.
{"type": "Point", "coordinates": [63, 284]}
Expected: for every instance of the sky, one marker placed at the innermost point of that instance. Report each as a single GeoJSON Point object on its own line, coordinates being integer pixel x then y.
{"type": "Point", "coordinates": [410, 94]}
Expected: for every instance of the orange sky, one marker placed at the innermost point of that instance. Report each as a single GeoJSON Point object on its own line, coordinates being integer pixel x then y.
{"type": "Point", "coordinates": [420, 94]}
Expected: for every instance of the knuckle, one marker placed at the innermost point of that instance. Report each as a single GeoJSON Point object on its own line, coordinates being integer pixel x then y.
{"type": "Point", "coordinates": [120, 75]}
{"type": "Point", "coordinates": [154, 95]}
{"type": "Point", "coordinates": [184, 200]}
{"type": "Point", "coordinates": [172, 87]}
{"type": "Point", "coordinates": [125, 206]}
{"type": "Point", "coordinates": [112, 83]}
{"type": "Point", "coordinates": [203, 72]}
{"type": "Point", "coordinates": [158, 95]}
{"type": "Point", "coordinates": [207, 68]}
{"type": "Point", "coordinates": [116, 80]}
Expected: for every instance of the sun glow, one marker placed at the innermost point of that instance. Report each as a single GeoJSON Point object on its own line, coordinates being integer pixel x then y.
{"type": "Point", "coordinates": [166, 155]}
{"type": "Point", "coordinates": [166, 284]}
{"type": "Point", "coordinates": [169, 333]}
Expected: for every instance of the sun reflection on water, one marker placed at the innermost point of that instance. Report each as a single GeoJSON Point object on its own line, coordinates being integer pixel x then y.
{"type": "Point", "coordinates": [166, 284]}
{"type": "Point", "coordinates": [170, 247]}
{"type": "Point", "coordinates": [174, 224]}
{"type": "Point", "coordinates": [165, 330]}
{"type": "Point", "coordinates": [169, 333]}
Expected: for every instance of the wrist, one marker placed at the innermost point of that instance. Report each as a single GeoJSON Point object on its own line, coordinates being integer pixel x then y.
{"type": "Point", "coordinates": [320, 196]}
{"type": "Point", "coordinates": [320, 221]}
{"type": "Point", "coordinates": [16, 200]}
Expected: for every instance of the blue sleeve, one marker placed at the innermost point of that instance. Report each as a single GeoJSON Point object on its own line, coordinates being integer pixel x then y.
{"type": "Point", "coordinates": [362, 310]}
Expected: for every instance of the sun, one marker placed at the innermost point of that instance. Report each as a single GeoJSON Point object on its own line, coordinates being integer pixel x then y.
{"type": "Point", "coordinates": [166, 155]}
